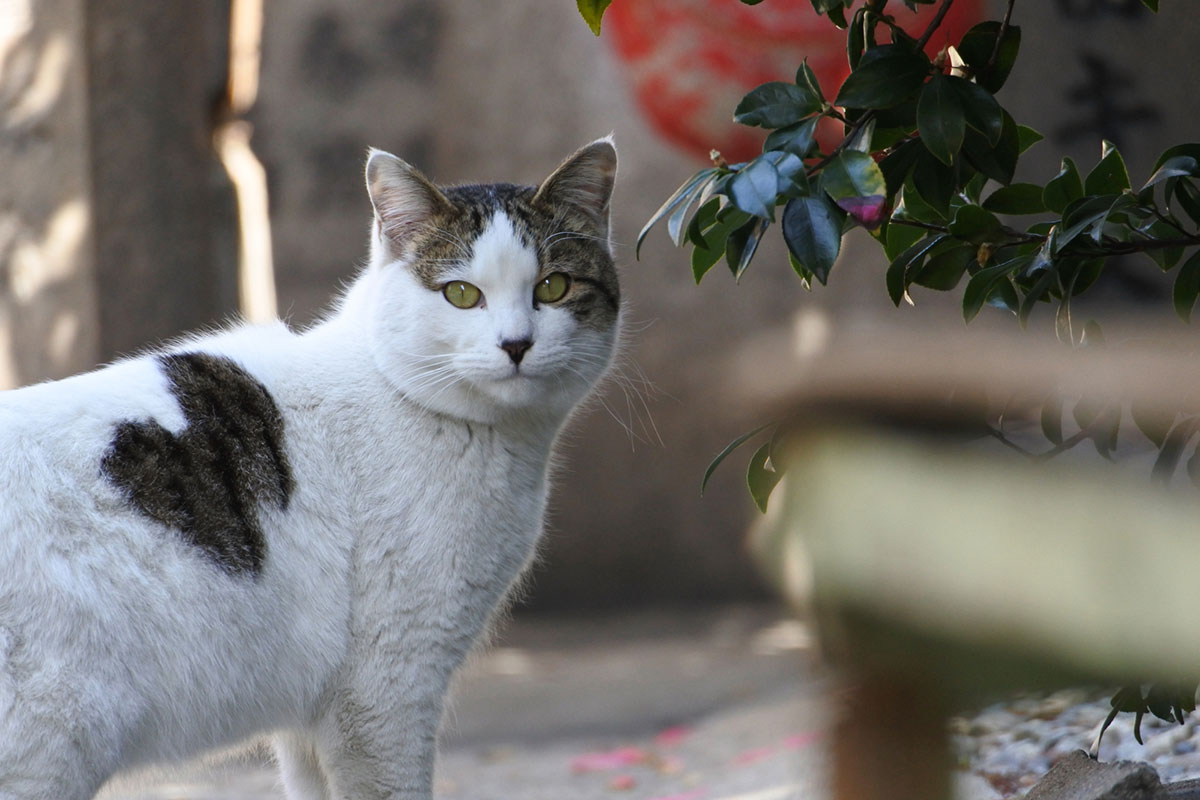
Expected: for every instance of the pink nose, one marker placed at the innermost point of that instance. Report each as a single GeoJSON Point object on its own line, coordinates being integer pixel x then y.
{"type": "Point", "coordinates": [516, 348]}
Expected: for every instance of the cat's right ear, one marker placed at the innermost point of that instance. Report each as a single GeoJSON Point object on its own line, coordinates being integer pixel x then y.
{"type": "Point", "coordinates": [404, 200]}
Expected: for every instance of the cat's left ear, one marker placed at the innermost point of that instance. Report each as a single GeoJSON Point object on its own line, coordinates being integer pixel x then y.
{"type": "Point", "coordinates": [584, 182]}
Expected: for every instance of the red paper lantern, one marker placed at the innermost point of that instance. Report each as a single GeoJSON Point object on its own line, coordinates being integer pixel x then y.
{"type": "Point", "coordinates": [691, 61]}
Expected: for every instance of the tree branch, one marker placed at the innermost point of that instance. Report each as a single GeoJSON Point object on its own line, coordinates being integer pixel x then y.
{"type": "Point", "coordinates": [934, 24]}
{"type": "Point", "coordinates": [1000, 37]}
{"type": "Point", "coordinates": [1102, 419]}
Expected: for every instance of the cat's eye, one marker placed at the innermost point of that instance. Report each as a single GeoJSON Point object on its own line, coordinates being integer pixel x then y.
{"type": "Point", "coordinates": [552, 288]}
{"type": "Point", "coordinates": [462, 294]}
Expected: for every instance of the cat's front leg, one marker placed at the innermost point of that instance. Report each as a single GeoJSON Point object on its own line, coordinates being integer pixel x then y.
{"type": "Point", "coordinates": [300, 767]}
{"type": "Point", "coordinates": [380, 741]}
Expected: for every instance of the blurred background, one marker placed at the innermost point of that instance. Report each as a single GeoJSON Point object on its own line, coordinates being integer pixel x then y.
{"type": "Point", "coordinates": [124, 127]}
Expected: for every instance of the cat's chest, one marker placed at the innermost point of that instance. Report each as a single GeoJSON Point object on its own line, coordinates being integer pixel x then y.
{"type": "Point", "coordinates": [438, 502]}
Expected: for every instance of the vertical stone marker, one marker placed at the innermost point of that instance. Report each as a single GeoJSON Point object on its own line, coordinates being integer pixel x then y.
{"type": "Point", "coordinates": [47, 292]}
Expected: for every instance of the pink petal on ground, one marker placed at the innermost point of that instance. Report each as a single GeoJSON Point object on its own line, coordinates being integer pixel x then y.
{"type": "Point", "coordinates": [694, 794]}
{"type": "Point", "coordinates": [753, 756]}
{"type": "Point", "coordinates": [609, 759]}
{"type": "Point", "coordinates": [672, 736]}
{"type": "Point", "coordinates": [622, 783]}
{"type": "Point", "coordinates": [800, 740]}
{"type": "Point", "coordinates": [670, 765]}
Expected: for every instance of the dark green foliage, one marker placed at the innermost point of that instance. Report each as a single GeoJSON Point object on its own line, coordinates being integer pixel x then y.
{"type": "Point", "coordinates": [1168, 702]}
{"type": "Point", "coordinates": [927, 165]}
{"type": "Point", "coordinates": [884, 77]}
{"type": "Point", "coordinates": [776, 105]}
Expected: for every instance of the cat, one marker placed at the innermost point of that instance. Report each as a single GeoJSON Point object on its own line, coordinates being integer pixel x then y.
{"type": "Point", "coordinates": [302, 534]}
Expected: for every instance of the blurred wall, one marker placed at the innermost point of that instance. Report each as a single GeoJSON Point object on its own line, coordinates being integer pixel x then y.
{"type": "Point", "coordinates": [48, 305]}
{"type": "Point", "coordinates": [116, 224]}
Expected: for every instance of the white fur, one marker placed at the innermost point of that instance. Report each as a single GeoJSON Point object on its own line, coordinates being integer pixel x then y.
{"type": "Point", "coordinates": [419, 453]}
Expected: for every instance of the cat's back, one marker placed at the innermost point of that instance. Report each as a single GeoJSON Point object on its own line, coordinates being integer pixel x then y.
{"type": "Point", "coordinates": [55, 434]}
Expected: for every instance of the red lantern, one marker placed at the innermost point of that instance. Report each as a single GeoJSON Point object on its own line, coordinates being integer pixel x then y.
{"type": "Point", "coordinates": [691, 61]}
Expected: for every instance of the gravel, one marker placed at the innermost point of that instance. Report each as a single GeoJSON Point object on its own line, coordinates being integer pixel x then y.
{"type": "Point", "coordinates": [1011, 744]}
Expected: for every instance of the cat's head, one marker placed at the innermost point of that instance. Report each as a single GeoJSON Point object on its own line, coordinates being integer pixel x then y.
{"type": "Point", "coordinates": [494, 299]}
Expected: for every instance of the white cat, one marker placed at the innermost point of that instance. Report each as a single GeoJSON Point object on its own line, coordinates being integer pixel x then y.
{"type": "Point", "coordinates": [262, 531]}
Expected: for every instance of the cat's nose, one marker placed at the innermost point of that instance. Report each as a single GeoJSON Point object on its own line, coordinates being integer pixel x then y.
{"type": "Point", "coordinates": [516, 348]}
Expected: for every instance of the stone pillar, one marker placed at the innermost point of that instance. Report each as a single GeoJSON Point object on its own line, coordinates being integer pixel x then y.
{"type": "Point", "coordinates": [166, 244]}
{"type": "Point", "coordinates": [48, 316]}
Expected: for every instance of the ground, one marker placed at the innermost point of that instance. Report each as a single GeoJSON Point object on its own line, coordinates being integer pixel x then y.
{"type": "Point", "coordinates": [719, 704]}
{"type": "Point", "coordinates": [700, 705]}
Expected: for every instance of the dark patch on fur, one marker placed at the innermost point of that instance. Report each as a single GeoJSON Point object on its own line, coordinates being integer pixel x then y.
{"type": "Point", "coordinates": [207, 481]}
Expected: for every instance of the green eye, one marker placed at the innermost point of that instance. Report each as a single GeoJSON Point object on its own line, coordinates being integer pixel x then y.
{"type": "Point", "coordinates": [462, 294]}
{"type": "Point", "coordinates": [552, 288]}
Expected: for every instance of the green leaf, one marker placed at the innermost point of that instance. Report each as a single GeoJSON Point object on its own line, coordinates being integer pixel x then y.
{"type": "Point", "coordinates": [812, 230]}
{"type": "Point", "coordinates": [1103, 421]}
{"type": "Point", "coordinates": [1151, 423]}
{"type": "Point", "coordinates": [903, 265]}
{"type": "Point", "coordinates": [899, 238]}
{"type": "Point", "coordinates": [1085, 273]}
{"type": "Point", "coordinates": [1187, 287]}
{"type": "Point", "coordinates": [998, 162]}
{"type": "Point", "coordinates": [1115, 221]}
{"type": "Point", "coordinates": [940, 119]}
{"type": "Point", "coordinates": [943, 270]}
{"type": "Point", "coordinates": [856, 184]}
{"type": "Point", "coordinates": [704, 218]}
{"type": "Point", "coordinates": [729, 448]}
{"type": "Point", "coordinates": [934, 182]}
{"type": "Point", "coordinates": [1109, 176]}
{"type": "Point", "coordinates": [1039, 288]}
{"type": "Point", "coordinates": [742, 244]}
{"type": "Point", "coordinates": [914, 207]}
{"type": "Point", "coordinates": [1016, 198]}
{"type": "Point", "coordinates": [790, 169]}
{"type": "Point", "coordinates": [975, 225]}
{"type": "Point", "coordinates": [1064, 188]}
{"type": "Point", "coordinates": [1174, 167]}
{"type": "Point", "coordinates": [715, 238]}
{"type": "Point", "coordinates": [1153, 6]}
{"type": "Point", "coordinates": [798, 139]}
{"type": "Point", "coordinates": [973, 188]}
{"type": "Point", "coordinates": [592, 12]}
{"type": "Point", "coordinates": [897, 164]}
{"type": "Point", "coordinates": [856, 38]}
{"type": "Point", "coordinates": [1173, 447]}
{"type": "Point", "coordinates": [1189, 198]}
{"type": "Point", "coordinates": [1191, 149]}
{"type": "Point", "coordinates": [806, 276]}
{"type": "Point", "coordinates": [976, 49]}
{"type": "Point", "coordinates": [1027, 137]}
{"type": "Point", "coordinates": [760, 478]}
{"type": "Point", "coordinates": [755, 187]}
{"type": "Point", "coordinates": [1051, 418]}
{"type": "Point", "coordinates": [687, 192]}
{"type": "Point", "coordinates": [980, 109]}
{"type": "Point", "coordinates": [1165, 257]}
{"type": "Point", "coordinates": [837, 15]}
{"type": "Point", "coordinates": [1081, 215]}
{"type": "Point", "coordinates": [885, 76]}
{"type": "Point", "coordinates": [776, 105]}
{"type": "Point", "coordinates": [807, 79]}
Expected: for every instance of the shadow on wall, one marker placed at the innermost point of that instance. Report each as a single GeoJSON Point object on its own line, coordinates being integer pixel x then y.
{"type": "Point", "coordinates": [47, 300]}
